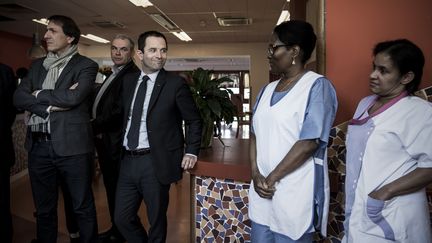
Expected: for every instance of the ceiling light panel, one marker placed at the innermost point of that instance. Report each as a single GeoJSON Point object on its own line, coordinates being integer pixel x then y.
{"type": "Point", "coordinates": [96, 38]}
{"type": "Point", "coordinates": [141, 3]}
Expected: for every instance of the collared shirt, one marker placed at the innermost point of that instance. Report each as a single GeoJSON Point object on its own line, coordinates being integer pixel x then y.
{"type": "Point", "coordinates": [143, 136]}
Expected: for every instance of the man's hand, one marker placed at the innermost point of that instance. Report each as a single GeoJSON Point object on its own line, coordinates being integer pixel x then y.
{"type": "Point", "coordinates": [261, 186]}
{"type": "Point", "coordinates": [188, 161]}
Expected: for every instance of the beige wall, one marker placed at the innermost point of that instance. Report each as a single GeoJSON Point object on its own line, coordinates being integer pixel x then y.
{"type": "Point", "coordinates": [259, 69]}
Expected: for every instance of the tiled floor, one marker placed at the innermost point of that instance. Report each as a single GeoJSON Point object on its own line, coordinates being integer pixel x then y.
{"type": "Point", "coordinates": [25, 227]}
{"type": "Point", "coordinates": [178, 212]}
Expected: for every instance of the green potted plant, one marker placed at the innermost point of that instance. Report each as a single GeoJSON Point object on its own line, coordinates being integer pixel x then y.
{"type": "Point", "coordinates": [212, 100]}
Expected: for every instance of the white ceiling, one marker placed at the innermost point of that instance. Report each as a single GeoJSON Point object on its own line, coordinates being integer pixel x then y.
{"type": "Point", "coordinates": [195, 17]}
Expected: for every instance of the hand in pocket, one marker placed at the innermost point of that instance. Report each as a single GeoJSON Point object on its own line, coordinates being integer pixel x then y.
{"type": "Point", "coordinates": [374, 209]}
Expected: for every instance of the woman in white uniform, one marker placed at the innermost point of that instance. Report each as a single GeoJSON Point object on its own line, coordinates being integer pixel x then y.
{"type": "Point", "coordinates": [288, 199]}
{"type": "Point", "coordinates": [389, 152]}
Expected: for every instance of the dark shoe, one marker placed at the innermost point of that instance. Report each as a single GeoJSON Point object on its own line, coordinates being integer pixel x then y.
{"type": "Point", "coordinates": [115, 239]}
{"type": "Point", "coordinates": [105, 235]}
{"type": "Point", "coordinates": [111, 236]}
{"type": "Point", "coordinates": [34, 241]}
{"type": "Point", "coordinates": [112, 239]}
{"type": "Point", "coordinates": [75, 240]}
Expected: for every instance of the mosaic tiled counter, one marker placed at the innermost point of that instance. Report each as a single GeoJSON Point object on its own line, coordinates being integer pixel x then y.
{"type": "Point", "coordinates": [18, 135]}
{"type": "Point", "coordinates": [220, 185]}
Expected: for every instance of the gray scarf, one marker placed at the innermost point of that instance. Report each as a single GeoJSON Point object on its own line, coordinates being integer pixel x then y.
{"type": "Point", "coordinates": [53, 64]}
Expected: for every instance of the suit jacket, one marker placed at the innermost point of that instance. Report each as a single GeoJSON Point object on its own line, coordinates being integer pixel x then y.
{"type": "Point", "coordinates": [7, 115]}
{"type": "Point", "coordinates": [170, 104]}
{"type": "Point", "coordinates": [71, 130]}
{"type": "Point", "coordinates": [108, 120]}
{"type": "Point", "coordinates": [108, 116]}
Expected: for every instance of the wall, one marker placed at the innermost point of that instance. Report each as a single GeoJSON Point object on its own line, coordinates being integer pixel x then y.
{"type": "Point", "coordinates": [13, 51]}
{"type": "Point", "coordinates": [354, 27]}
{"type": "Point", "coordinates": [257, 51]}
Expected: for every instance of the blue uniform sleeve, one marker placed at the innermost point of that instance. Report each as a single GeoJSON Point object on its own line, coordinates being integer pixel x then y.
{"type": "Point", "coordinates": [320, 112]}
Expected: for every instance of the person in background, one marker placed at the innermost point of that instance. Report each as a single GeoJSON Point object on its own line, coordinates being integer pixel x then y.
{"type": "Point", "coordinates": [57, 94]}
{"type": "Point", "coordinates": [21, 73]}
{"type": "Point", "coordinates": [389, 152]}
{"type": "Point", "coordinates": [155, 105]}
{"type": "Point", "coordinates": [7, 117]}
{"type": "Point", "coordinates": [107, 125]}
{"type": "Point", "coordinates": [289, 195]}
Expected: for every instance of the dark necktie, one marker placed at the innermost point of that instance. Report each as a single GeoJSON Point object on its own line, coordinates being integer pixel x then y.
{"type": "Point", "coordinates": [134, 129]}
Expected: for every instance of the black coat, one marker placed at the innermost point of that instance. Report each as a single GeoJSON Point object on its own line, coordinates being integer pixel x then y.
{"type": "Point", "coordinates": [71, 130]}
{"type": "Point", "coordinates": [171, 103]}
{"type": "Point", "coordinates": [7, 116]}
{"type": "Point", "coordinates": [108, 120]}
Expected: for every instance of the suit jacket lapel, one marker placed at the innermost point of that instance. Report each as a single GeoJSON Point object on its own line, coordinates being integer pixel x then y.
{"type": "Point", "coordinates": [118, 76]}
{"type": "Point", "coordinates": [41, 76]}
{"type": "Point", "coordinates": [68, 68]}
{"type": "Point", "coordinates": [160, 82]}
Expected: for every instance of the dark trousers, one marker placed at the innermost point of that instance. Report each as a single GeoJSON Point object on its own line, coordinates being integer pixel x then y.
{"type": "Point", "coordinates": [109, 162]}
{"type": "Point", "coordinates": [46, 169]}
{"type": "Point", "coordinates": [5, 212]}
{"type": "Point", "coordinates": [71, 221]}
{"type": "Point", "coordinates": [137, 182]}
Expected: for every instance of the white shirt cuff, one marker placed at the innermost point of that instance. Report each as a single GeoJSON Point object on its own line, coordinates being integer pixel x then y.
{"type": "Point", "coordinates": [37, 92]}
{"type": "Point", "coordinates": [193, 155]}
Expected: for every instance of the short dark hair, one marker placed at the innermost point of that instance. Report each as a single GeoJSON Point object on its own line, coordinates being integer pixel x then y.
{"type": "Point", "coordinates": [143, 37]}
{"type": "Point", "coordinates": [406, 56]}
{"type": "Point", "coordinates": [297, 32]}
{"type": "Point", "coordinates": [70, 28]}
{"type": "Point", "coordinates": [125, 37]}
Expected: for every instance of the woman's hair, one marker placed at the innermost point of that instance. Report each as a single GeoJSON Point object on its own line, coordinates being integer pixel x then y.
{"type": "Point", "coordinates": [406, 56]}
{"type": "Point", "coordinates": [297, 32]}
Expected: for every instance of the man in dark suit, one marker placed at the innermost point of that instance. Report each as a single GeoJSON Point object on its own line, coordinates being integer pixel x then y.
{"type": "Point", "coordinates": [107, 125]}
{"type": "Point", "coordinates": [57, 94]}
{"type": "Point", "coordinates": [155, 103]}
{"type": "Point", "coordinates": [7, 152]}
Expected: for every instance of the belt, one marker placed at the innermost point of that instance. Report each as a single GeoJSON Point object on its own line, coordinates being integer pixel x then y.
{"type": "Point", "coordinates": [137, 152]}
{"type": "Point", "coordinates": [41, 136]}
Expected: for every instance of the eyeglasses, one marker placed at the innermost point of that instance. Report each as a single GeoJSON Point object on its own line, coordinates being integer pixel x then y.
{"type": "Point", "coordinates": [272, 49]}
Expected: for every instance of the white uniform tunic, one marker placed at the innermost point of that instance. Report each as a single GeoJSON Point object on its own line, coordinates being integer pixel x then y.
{"type": "Point", "coordinates": [277, 128]}
{"type": "Point", "coordinates": [395, 142]}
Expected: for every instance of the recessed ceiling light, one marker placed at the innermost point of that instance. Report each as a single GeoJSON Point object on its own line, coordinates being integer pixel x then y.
{"type": "Point", "coordinates": [95, 38]}
{"type": "Point", "coordinates": [182, 36]}
{"type": "Point", "coordinates": [285, 16]}
{"type": "Point", "coordinates": [43, 21]}
{"type": "Point", "coordinates": [141, 3]}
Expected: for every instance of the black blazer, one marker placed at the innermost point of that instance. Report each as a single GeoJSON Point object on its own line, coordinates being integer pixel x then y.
{"type": "Point", "coordinates": [171, 103]}
{"type": "Point", "coordinates": [108, 116]}
{"type": "Point", "coordinates": [7, 116]}
{"type": "Point", "coordinates": [71, 130]}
